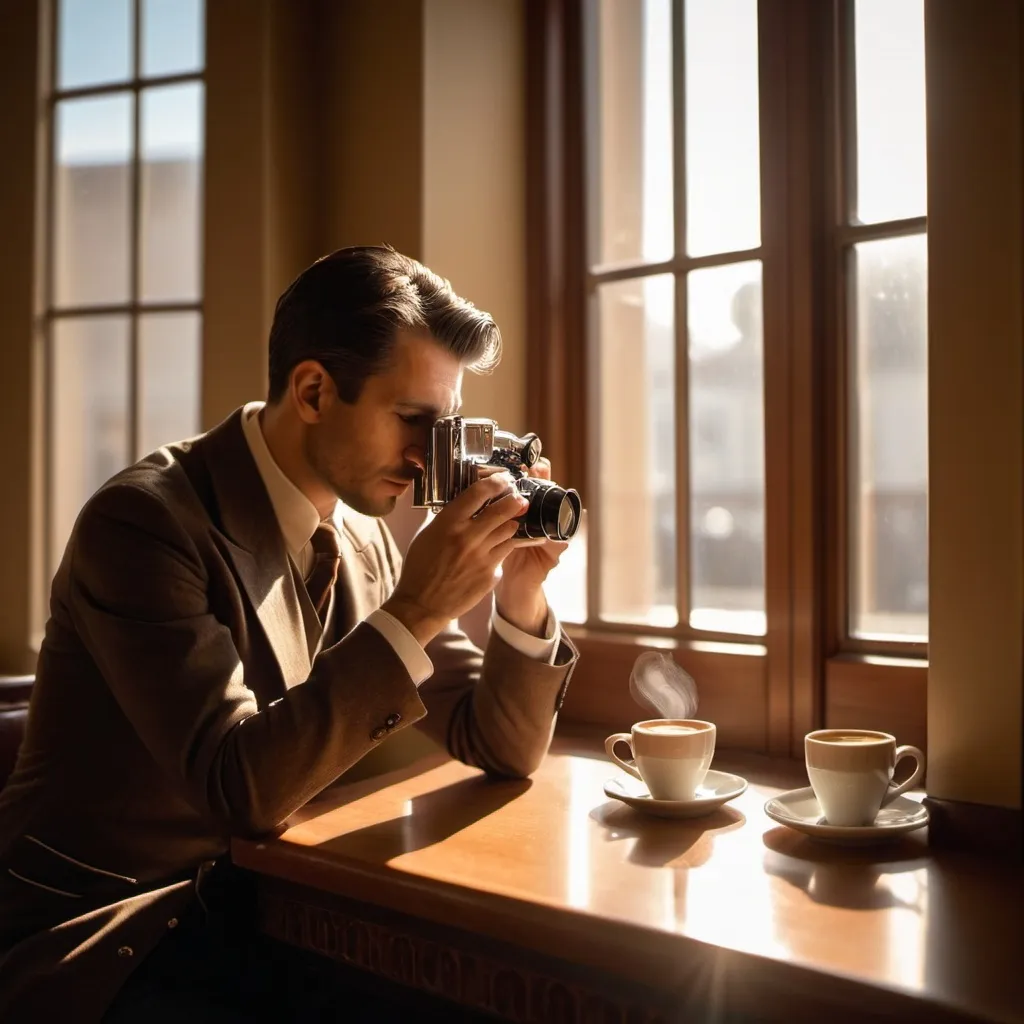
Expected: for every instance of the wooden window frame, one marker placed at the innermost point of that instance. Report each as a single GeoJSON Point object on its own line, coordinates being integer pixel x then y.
{"type": "Point", "coordinates": [133, 308]}
{"type": "Point", "coordinates": [765, 693]}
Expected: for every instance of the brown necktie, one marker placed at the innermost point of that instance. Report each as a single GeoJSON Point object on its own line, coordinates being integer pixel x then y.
{"type": "Point", "coordinates": [326, 558]}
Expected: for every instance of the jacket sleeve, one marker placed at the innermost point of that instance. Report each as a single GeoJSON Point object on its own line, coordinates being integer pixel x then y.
{"type": "Point", "coordinates": [137, 594]}
{"type": "Point", "coordinates": [494, 710]}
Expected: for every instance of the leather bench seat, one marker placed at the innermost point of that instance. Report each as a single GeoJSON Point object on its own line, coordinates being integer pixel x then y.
{"type": "Point", "coordinates": [14, 697]}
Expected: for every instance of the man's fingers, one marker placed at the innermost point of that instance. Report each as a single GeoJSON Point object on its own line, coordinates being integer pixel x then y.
{"type": "Point", "coordinates": [552, 551]}
{"type": "Point", "coordinates": [501, 533]}
{"type": "Point", "coordinates": [473, 498]}
{"type": "Point", "coordinates": [501, 551]}
{"type": "Point", "coordinates": [541, 468]}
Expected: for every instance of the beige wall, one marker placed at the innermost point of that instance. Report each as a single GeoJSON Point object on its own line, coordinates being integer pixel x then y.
{"type": "Point", "coordinates": [19, 196]}
{"type": "Point", "coordinates": [372, 106]}
{"type": "Point", "coordinates": [976, 397]}
{"type": "Point", "coordinates": [473, 183]}
{"type": "Point", "coordinates": [261, 186]}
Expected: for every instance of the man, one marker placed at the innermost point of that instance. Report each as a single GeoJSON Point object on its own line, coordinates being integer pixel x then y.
{"type": "Point", "coordinates": [231, 629]}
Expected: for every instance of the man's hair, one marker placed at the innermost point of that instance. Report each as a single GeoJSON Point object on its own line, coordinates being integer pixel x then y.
{"type": "Point", "coordinates": [345, 310]}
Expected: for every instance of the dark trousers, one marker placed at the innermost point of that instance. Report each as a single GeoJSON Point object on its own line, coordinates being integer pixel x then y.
{"type": "Point", "coordinates": [201, 972]}
{"type": "Point", "coordinates": [216, 968]}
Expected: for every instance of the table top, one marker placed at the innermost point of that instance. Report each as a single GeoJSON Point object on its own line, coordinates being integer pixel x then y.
{"type": "Point", "coordinates": [552, 864]}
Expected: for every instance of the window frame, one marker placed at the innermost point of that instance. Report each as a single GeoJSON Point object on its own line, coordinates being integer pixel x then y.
{"type": "Point", "coordinates": [50, 314]}
{"type": "Point", "coordinates": [811, 672]}
{"type": "Point", "coordinates": [840, 174]}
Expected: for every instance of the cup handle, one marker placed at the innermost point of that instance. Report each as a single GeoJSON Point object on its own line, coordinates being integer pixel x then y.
{"type": "Point", "coordinates": [609, 749]}
{"type": "Point", "coordinates": [902, 752]}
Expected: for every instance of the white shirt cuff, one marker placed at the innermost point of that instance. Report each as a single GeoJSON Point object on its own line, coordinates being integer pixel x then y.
{"type": "Point", "coordinates": [539, 648]}
{"type": "Point", "coordinates": [407, 647]}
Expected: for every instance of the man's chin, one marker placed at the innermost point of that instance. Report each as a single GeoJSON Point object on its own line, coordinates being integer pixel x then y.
{"type": "Point", "coordinates": [377, 506]}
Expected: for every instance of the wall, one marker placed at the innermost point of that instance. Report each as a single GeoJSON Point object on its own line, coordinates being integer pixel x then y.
{"type": "Point", "coordinates": [473, 179]}
{"type": "Point", "coordinates": [976, 400]}
{"type": "Point", "coordinates": [261, 189]}
{"type": "Point", "coordinates": [20, 195]}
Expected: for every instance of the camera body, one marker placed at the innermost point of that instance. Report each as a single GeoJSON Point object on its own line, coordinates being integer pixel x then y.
{"type": "Point", "coordinates": [462, 450]}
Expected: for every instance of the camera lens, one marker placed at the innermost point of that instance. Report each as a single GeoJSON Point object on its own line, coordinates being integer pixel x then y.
{"type": "Point", "coordinates": [553, 512]}
{"type": "Point", "coordinates": [568, 516]}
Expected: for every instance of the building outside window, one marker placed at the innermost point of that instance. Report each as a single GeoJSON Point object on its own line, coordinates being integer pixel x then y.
{"type": "Point", "coordinates": [123, 261]}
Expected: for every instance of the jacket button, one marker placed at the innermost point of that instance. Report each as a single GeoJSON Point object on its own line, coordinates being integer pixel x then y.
{"type": "Point", "coordinates": [392, 720]}
{"type": "Point", "coordinates": [126, 951]}
{"type": "Point", "coordinates": [173, 923]}
{"type": "Point", "coordinates": [378, 733]}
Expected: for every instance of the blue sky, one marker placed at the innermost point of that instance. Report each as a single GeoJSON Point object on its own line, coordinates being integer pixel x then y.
{"type": "Point", "coordinates": [95, 47]}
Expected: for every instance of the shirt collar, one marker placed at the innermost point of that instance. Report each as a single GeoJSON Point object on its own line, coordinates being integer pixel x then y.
{"type": "Point", "coordinates": [296, 514]}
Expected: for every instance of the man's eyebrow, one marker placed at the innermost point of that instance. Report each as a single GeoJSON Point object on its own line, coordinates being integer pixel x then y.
{"type": "Point", "coordinates": [428, 408]}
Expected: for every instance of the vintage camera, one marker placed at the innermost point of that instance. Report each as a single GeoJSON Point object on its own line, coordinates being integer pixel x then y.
{"type": "Point", "coordinates": [461, 450]}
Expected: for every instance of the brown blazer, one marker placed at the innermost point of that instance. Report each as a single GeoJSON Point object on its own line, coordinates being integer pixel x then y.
{"type": "Point", "coordinates": [176, 706]}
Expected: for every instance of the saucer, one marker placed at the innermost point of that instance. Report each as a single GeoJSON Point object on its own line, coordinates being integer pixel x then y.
{"type": "Point", "coordinates": [717, 789]}
{"type": "Point", "coordinates": [799, 809]}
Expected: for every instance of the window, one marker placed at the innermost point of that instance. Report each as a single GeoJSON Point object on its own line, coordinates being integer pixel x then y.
{"type": "Point", "coordinates": [122, 277]}
{"type": "Point", "coordinates": [728, 303]}
{"type": "Point", "coordinates": [674, 275]}
{"type": "Point", "coordinates": [882, 243]}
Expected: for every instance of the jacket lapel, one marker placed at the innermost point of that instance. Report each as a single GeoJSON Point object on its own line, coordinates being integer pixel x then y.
{"type": "Point", "coordinates": [253, 541]}
{"type": "Point", "coordinates": [358, 574]}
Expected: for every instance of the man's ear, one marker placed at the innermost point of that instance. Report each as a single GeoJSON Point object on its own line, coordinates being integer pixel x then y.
{"type": "Point", "coordinates": [308, 380]}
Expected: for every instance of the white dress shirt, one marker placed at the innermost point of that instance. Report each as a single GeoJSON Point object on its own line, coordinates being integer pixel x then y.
{"type": "Point", "coordinates": [298, 519]}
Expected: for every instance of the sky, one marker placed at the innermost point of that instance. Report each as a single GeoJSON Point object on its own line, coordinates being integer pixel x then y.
{"type": "Point", "coordinates": [95, 47]}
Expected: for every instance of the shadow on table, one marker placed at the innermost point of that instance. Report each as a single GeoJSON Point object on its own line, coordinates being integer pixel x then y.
{"type": "Point", "coordinates": [856, 878]}
{"type": "Point", "coordinates": [659, 842]}
{"type": "Point", "coordinates": [432, 818]}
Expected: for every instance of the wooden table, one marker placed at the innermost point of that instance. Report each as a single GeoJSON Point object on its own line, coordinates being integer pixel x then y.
{"type": "Point", "coordinates": [543, 900]}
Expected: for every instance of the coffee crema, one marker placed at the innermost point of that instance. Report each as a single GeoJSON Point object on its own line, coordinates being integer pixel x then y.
{"type": "Point", "coordinates": [669, 729]}
{"type": "Point", "coordinates": [844, 738]}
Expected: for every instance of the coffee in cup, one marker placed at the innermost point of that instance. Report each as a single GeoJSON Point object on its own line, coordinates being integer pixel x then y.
{"type": "Point", "coordinates": [851, 772]}
{"type": "Point", "coordinates": [670, 755]}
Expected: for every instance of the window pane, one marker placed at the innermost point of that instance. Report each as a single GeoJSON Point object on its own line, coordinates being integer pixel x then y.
{"type": "Point", "coordinates": [888, 398]}
{"type": "Point", "coordinates": [92, 200]}
{"type": "Point", "coordinates": [891, 158]}
{"type": "Point", "coordinates": [95, 42]}
{"type": "Point", "coordinates": [723, 166]}
{"type": "Point", "coordinates": [726, 407]}
{"type": "Point", "coordinates": [169, 376]}
{"type": "Point", "coordinates": [636, 463]}
{"type": "Point", "coordinates": [566, 585]}
{"type": "Point", "coordinates": [172, 36]}
{"type": "Point", "coordinates": [631, 145]}
{"type": "Point", "coordinates": [88, 416]}
{"type": "Point", "coordinates": [171, 168]}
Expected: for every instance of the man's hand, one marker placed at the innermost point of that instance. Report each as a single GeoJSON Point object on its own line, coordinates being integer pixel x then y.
{"type": "Point", "coordinates": [452, 562]}
{"type": "Point", "coordinates": [520, 594]}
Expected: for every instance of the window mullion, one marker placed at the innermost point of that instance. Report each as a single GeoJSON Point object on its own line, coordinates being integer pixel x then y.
{"type": "Point", "coordinates": [682, 376]}
{"type": "Point", "coordinates": [134, 246]}
{"type": "Point", "coordinates": [48, 561]}
{"type": "Point", "coordinates": [589, 125]}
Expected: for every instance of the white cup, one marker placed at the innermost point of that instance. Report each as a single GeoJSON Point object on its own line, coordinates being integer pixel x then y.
{"type": "Point", "coordinates": [670, 755]}
{"type": "Point", "coordinates": [851, 772]}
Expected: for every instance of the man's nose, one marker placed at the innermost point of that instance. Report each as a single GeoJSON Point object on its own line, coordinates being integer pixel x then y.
{"type": "Point", "coordinates": [416, 455]}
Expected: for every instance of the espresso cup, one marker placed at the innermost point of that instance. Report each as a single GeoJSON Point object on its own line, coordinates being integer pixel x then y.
{"type": "Point", "coordinates": [670, 755]}
{"type": "Point", "coordinates": [851, 772]}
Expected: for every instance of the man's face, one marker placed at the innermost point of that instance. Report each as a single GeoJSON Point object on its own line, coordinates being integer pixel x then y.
{"type": "Point", "coordinates": [369, 452]}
